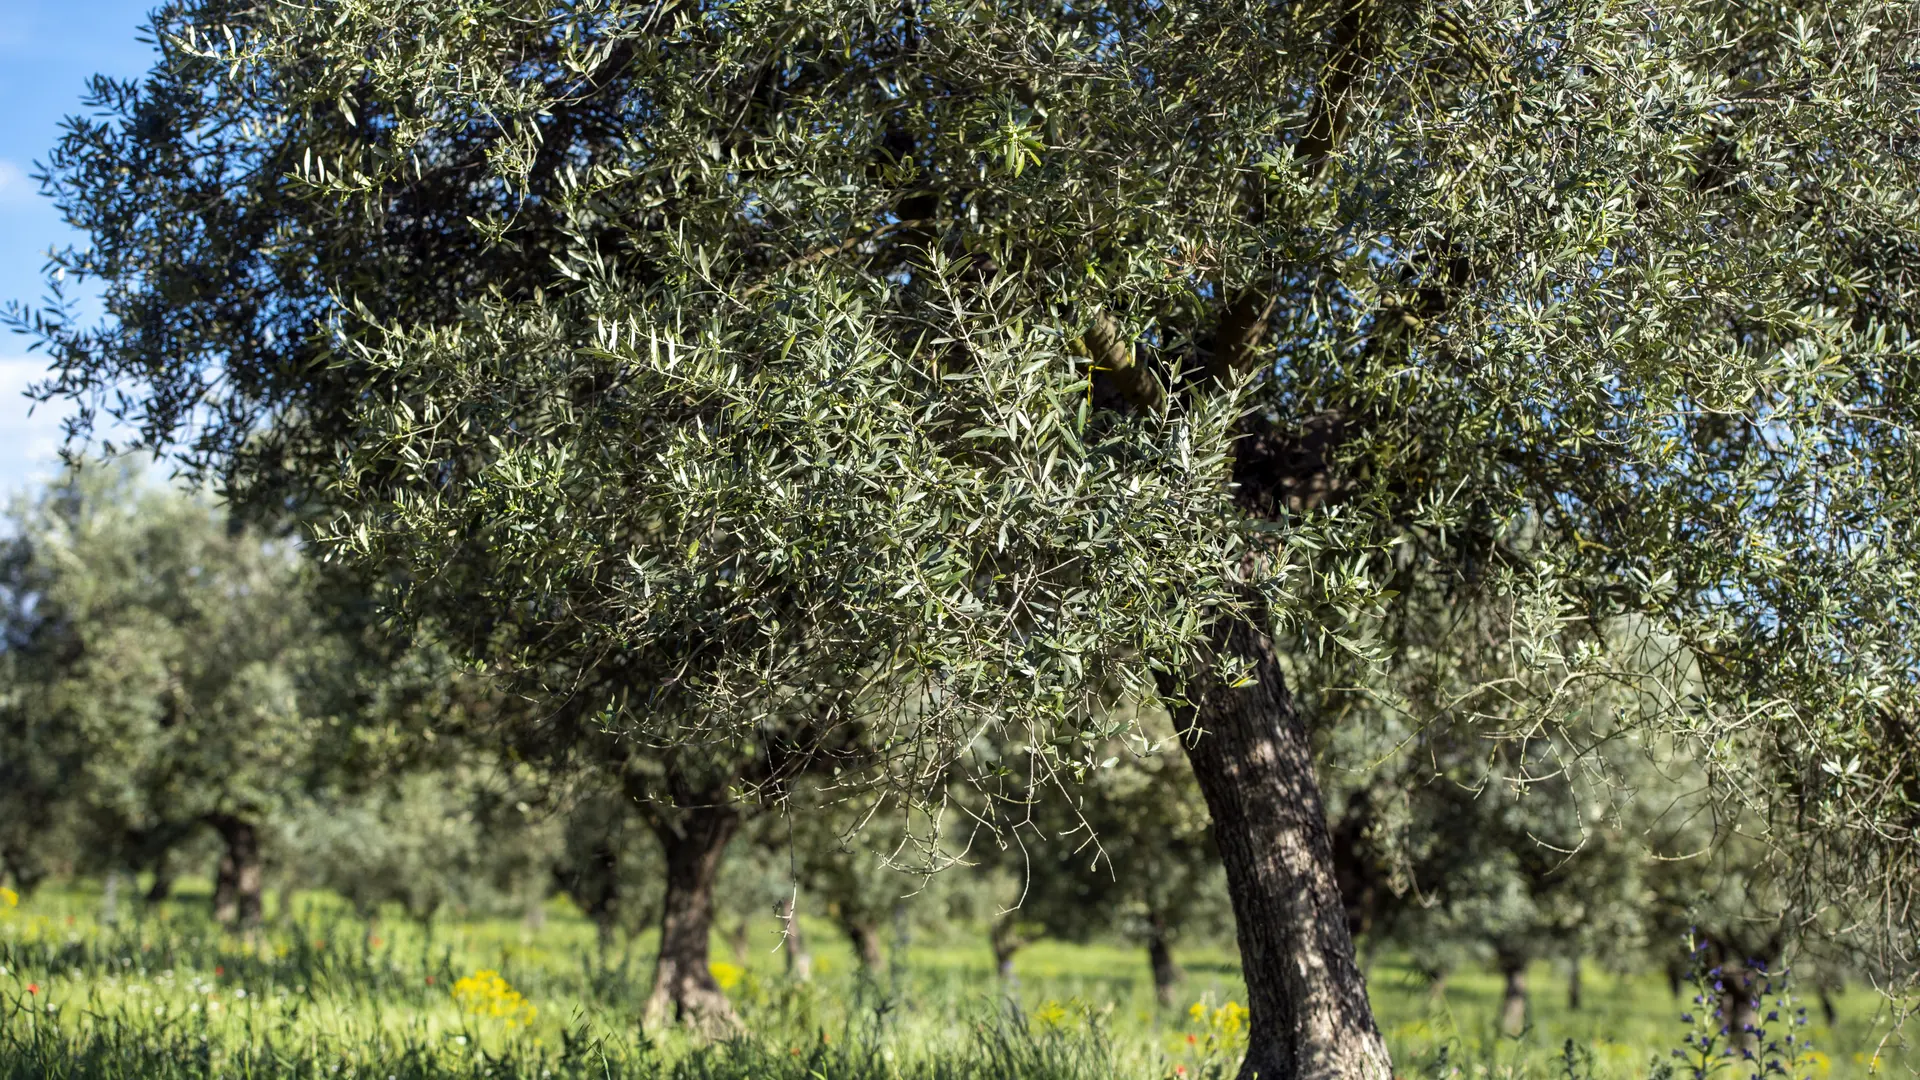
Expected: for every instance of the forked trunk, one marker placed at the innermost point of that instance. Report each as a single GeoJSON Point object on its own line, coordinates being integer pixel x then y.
{"type": "Point", "coordinates": [684, 990]}
{"type": "Point", "coordinates": [865, 939]}
{"type": "Point", "coordinates": [1166, 973]}
{"type": "Point", "coordinates": [239, 879]}
{"type": "Point", "coordinates": [1309, 1015]}
{"type": "Point", "coordinates": [1513, 1006]}
{"type": "Point", "coordinates": [799, 960]}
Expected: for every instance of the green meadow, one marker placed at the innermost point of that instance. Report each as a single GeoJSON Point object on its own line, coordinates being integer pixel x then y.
{"type": "Point", "coordinates": [162, 992]}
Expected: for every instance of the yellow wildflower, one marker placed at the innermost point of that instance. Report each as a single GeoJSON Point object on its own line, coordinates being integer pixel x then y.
{"type": "Point", "coordinates": [1230, 1019]}
{"type": "Point", "coordinates": [485, 993]}
{"type": "Point", "coordinates": [727, 975]}
{"type": "Point", "coordinates": [8, 898]}
{"type": "Point", "coordinates": [1050, 1014]}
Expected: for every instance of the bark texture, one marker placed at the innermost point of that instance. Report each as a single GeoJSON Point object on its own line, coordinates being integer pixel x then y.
{"type": "Point", "coordinates": [865, 939]}
{"type": "Point", "coordinates": [1513, 1007]}
{"type": "Point", "coordinates": [240, 878]}
{"type": "Point", "coordinates": [162, 886]}
{"type": "Point", "coordinates": [1007, 938]}
{"type": "Point", "coordinates": [684, 990]}
{"type": "Point", "coordinates": [1166, 973]}
{"type": "Point", "coordinates": [594, 885]}
{"type": "Point", "coordinates": [1739, 976]}
{"type": "Point", "coordinates": [1575, 990]}
{"type": "Point", "coordinates": [1739, 1002]}
{"type": "Point", "coordinates": [1309, 1015]}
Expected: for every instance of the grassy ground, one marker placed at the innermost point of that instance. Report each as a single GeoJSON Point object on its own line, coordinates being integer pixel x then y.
{"type": "Point", "coordinates": [162, 994]}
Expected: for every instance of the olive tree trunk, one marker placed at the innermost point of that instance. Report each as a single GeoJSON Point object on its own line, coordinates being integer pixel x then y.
{"type": "Point", "coordinates": [240, 880]}
{"type": "Point", "coordinates": [1309, 1015]}
{"type": "Point", "coordinates": [684, 990]}
{"type": "Point", "coordinates": [1739, 1003]}
{"type": "Point", "coordinates": [1513, 1005]}
{"type": "Point", "coordinates": [1166, 973]}
{"type": "Point", "coordinates": [162, 886]}
{"type": "Point", "coordinates": [865, 939]}
{"type": "Point", "coordinates": [1006, 938]}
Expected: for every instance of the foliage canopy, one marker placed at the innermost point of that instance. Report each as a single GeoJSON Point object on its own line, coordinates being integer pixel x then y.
{"type": "Point", "coordinates": [952, 365]}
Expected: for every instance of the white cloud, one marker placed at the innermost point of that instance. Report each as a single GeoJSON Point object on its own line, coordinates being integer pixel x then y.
{"type": "Point", "coordinates": [30, 432]}
{"type": "Point", "coordinates": [16, 187]}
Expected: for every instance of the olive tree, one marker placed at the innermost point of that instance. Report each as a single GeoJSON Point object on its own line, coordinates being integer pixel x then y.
{"type": "Point", "coordinates": [895, 374]}
{"type": "Point", "coordinates": [163, 675]}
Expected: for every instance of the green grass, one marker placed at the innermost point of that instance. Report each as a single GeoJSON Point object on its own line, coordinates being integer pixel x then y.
{"type": "Point", "coordinates": [320, 994]}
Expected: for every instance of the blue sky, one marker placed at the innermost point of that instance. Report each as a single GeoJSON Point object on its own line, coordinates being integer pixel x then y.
{"type": "Point", "coordinates": [47, 52]}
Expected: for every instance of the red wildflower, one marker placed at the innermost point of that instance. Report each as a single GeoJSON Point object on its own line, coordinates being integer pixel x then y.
{"type": "Point", "coordinates": [376, 943]}
{"type": "Point", "coordinates": [33, 988]}
{"type": "Point", "coordinates": [218, 970]}
{"type": "Point", "coordinates": [429, 980]}
{"type": "Point", "coordinates": [1191, 1040]}
{"type": "Point", "coordinates": [1179, 1070]}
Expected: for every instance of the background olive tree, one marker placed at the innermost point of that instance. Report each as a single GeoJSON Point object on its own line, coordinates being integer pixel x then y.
{"type": "Point", "coordinates": [165, 675]}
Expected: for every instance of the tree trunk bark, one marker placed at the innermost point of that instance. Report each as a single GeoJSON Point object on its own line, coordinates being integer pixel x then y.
{"type": "Point", "coordinates": [799, 960]}
{"type": "Point", "coordinates": [240, 879]}
{"type": "Point", "coordinates": [1005, 937]}
{"type": "Point", "coordinates": [1309, 1014]}
{"type": "Point", "coordinates": [1739, 1003]}
{"type": "Point", "coordinates": [1513, 1008]}
{"type": "Point", "coordinates": [1575, 988]}
{"type": "Point", "coordinates": [1166, 973]}
{"type": "Point", "coordinates": [599, 886]}
{"type": "Point", "coordinates": [162, 886]}
{"type": "Point", "coordinates": [1003, 965]}
{"type": "Point", "coordinates": [865, 939]}
{"type": "Point", "coordinates": [1738, 983]}
{"type": "Point", "coordinates": [684, 990]}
